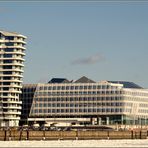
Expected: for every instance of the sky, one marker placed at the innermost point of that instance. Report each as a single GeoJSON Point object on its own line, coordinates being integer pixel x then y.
{"type": "Point", "coordinates": [99, 40]}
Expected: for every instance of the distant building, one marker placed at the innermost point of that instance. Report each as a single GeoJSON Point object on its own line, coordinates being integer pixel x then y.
{"type": "Point", "coordinates": [12, 52]}
{"type": "Point", "coordinates": [85, 101]}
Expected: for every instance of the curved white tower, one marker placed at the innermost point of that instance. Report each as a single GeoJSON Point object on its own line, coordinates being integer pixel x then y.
{"type": "Point", "coordinates": [12, 51]}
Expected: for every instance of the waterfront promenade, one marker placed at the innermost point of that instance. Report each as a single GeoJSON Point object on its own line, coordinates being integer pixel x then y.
{"type": "Point", "coordinates": [77, 143]}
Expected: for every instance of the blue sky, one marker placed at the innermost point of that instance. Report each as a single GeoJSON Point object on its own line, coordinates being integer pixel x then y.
{"type": "Point", "coordinates": [103, 41]}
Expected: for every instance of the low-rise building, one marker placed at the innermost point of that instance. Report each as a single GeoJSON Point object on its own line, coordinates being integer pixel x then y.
{"type": "Point", "coordinates": [85, 102]}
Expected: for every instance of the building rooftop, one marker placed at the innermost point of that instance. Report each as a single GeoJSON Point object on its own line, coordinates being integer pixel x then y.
{"type": "Point", "coordinates": [7, 33]}
{"type": "Point", "coordinates": [127, 84]}
{"type": "Point", "coordinates": [59, 80]}
{"type": "Point", "coordinates": [84, 80]}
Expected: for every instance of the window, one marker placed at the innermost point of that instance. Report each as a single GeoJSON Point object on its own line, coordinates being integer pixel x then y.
{"type": "Point", "coordinates": [117, 110]}
{"type": "Point", "coordinates": [53, 105]}
{"type": "Point", "coordinates": [72, 87]}
{"type": "Point", "coordinates": [7, 61]}
{"type": "Point", "coordinates": [71, 105]}
{"type": "Point", "coordinates": [40, 105]}
{"type": "Point", "coordinates": [58, 87]}
{"type": "Point", "coordinates": [9, 44]}
{"type": "Point", "coordinates": [98, 110]}
{"type": "Point", "coordinates": [36, 110]}
{"type": "Point", "coordinates": [71, 110]}
{"type": "Point", "coordinates": [7, 67]}
{"type": "Point", "coordinates": [6, 83]}
{"type": "Point", "coordinates": [112, 110]}
{"type": "Point", "coordinates": [103, 110]}
{"type": "Point", "coordinates": [45, 88]}
{"type": "Point", "coordinates": [67, 87]}
{"type": "Point", "coordinates": [62, 105]}
{"type": "Point", "coordinates": [67, 105]}
{"type": "Point", "coordinates": [94, 87]}
{"type": "Point", "coordinates": [99, 87]}
{"type": "Point", "coordinates": [45, 99]}
{"type": "Point", "coordinates": [108, 110]}
{"type": "Point", "coordinates": [6, 88]}
{"type": "Point", "coordinates": [54, 87]}
{"type": "Point", "coordinates": [76, 87]}
{"type": "Point", "coordinates": [45, 110]}
{"type": "Point", "coordinates": [7, 72]}
{"type": "Point", "coordinates": [45, 105]}
{"type": "Point", "coordinates": [6, 78]}
{"type": "Point", "coordinates": [89, 87]}
{"type": "Point", "coordinates": [9, 49]}
{"type": "Point", "coordinates": [49, 93]}
{"type": "Point", "coordinates": [9, 37]}
{"type": "Point", "coordinates": [94, 92]}
{"type": "Point", "coordinates": [85, 87]}
{"type": "Point", "coordinates": [49, 88]}
{"type": "Point", "coordinates": [94, 109]}
{"type": "Point", "coordinates": [40, 99]}
{"type": "Point", "coordinates": [63, 87]}
{"type": "Point", "coordinates": [89, 110]}
{"type": "Point", "coordinates": [36, 105]}
{"type": "Point", "coordinates": [7, 55]}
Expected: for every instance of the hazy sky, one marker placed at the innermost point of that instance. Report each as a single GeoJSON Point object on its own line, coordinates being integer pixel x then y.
{"type": "Point", "coordinates": [103, 41]}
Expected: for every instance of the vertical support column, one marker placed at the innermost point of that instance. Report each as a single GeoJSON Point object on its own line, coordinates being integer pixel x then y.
{"type": "Point", "coordinates": [99, 121]}
{"type": "Point", "coordinates": [122, 119]}
{"type": "Point", "coordinates": [145, 121]}
{"type": "Point", "coordinates": [107, 120]}
{"type": "Point", "coordinates": [94, 120]}
{"type": "Point", "coordinates": [140, 122]}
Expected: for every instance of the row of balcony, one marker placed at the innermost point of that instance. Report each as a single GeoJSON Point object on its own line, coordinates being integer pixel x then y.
{"type": "Point", "coordinates": [12, 75]}
{"type": "Point", "coordinates": [14, 69]}
{"type": "Point", "coordinates": [12, 58]}
{"type": "Point", "coordinates": [12, 64]}
{"type": "Point", "coordinates": [11, 101]}
{"type": "Point", "coordinates": [13, 80]}
{"type": "Point", "coordinates": [13, 41]}
{"type": "Point", "coordinates": [15, 46]}
{"type": "Point", "coordinates": [12, 86]}
{"type": "Point", "coordinates": [9, 117]}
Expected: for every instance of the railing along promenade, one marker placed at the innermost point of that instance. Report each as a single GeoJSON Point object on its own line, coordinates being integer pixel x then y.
{"type": "Point", "coordinates": [25, 134]}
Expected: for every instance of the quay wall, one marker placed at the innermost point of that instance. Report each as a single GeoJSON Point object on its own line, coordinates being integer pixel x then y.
{"type": "Point", "coordinates": [13, 135]}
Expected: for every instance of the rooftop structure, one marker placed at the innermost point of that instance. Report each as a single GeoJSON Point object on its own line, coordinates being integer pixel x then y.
{"type": "Point", "coordinates": [59, 80]}
{"type": "Point", "coordinates": [127, 84]}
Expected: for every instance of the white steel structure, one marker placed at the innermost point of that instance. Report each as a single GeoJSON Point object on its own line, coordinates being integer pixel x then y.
{"type": "Point", "coordinates": [11, 70]}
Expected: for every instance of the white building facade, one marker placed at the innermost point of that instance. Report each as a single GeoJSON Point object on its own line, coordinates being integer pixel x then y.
{"type": "Point", "coordinates": [85, 102]}
{"type": "Point", "coordinates": [12, 52]}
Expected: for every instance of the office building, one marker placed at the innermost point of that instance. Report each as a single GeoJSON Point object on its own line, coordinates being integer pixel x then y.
{"type": "Point", "coordinates": [85, 101]}
{"type": "Point", "coordinates": [12, 52]}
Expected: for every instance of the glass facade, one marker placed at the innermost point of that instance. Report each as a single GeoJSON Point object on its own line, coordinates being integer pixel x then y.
{"type": "Point", "coordinates": [86, 100]}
